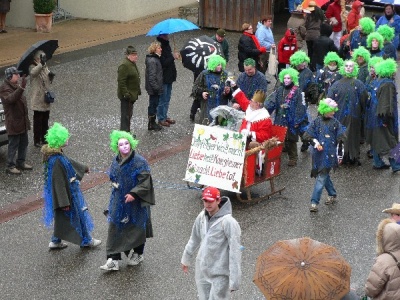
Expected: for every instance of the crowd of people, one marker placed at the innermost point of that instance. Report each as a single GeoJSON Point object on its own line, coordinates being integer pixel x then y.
{"type": "Point", "coordinates": [350, 78]}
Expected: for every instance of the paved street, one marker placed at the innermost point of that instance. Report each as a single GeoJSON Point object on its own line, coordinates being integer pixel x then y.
{"type": "Point", "coordinates": [86, 104]}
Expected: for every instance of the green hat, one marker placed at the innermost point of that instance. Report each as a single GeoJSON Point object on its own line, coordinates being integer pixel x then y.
{"type": "Point", "coordinates": [363, 52]}
{"type": "Point", "coordinates": [352, 74]}
{"type": "Point", "coordinates": [386, 68]}
{"type": "Point", "coordinates": [374, 60]}
{"type": "Point", "coordinates": [249, 62]}
{"type": "Point", "coordinates": [298, 58]}
{"type": "Point", "coordinates": [214, 61]}
{"type": "Point", "coordinates": [333, 56]}
{"type": "Point", "coordinates": [294, 75]}
{"type": "Point", "coordinates": [57, 136]}
{"type": "Point", "coordinates": [327, 106]}
{"type": "Point", "coordinates": [367, 25]}
{"type": "Point", "coordinates": [386, 32]}
{"type": "Point", "coordinates": [375, 36]}
{"type": "Point", "coordinates": [116, 135]}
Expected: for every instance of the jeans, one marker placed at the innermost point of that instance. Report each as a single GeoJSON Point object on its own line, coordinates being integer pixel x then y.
{"type": "Point", "coordinates": [18, 142]}
{"type": "Point", "coordinates": [126, 115]}
{"type": "Point", "coordinates": [163, 104]}
{"type": "Point", "coordinates": [40, 125]}
{"type": "Point", "coordinates": [153, 103]}
{"type": "Point", "coordinates": [378, 162]}
{"type": "Point", "coordinates": [323, 180]}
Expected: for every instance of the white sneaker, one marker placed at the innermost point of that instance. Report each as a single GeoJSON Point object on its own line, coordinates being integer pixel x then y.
{"type": "Point", "coordinates": [135, 259]}
{"type": "Point", "coordinates": [59, 245]}
{"type": "Point", "coordinates": [111, 265]}
{"type": "Point", "coordinates": [94, 243]}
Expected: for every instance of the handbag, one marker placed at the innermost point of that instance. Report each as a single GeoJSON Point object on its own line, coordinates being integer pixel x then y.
{"type": "Point", "coordinates": [272, 62]}
{"type": "Point", "coordinates": [49, 97]}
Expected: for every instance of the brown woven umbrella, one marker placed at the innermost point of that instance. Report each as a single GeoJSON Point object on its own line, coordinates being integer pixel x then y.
{"type": "Point", "coordinates": [302, 269]}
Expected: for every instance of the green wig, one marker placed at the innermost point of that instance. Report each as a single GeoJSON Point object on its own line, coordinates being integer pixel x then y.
{"type": "Point", "coordinates": [298, 58]}
{"type": "Point", "coordinates": [215, 60]}
{"type": "Point", "coordinates": [349, 75]}
{"type": "Point", "coordinates": [374, 60]}
{"type": "Point", "coordinates": [294, 75]}
{"type": "Point", "coordinates": [249, 62]}
{"type": "Point", "coordinates": [116, 135]}
{"type": "Point", "coordinates": [386, 32]}
{"type": "Point", "coordinates": [367, 25]}
{"type": "Point", "coordinates": [57, 136]}
{"type": "Point", "coordinates": [363, 52]}
{"type": "Point", "coordinates": [327, 106]}
{"type": "Point", "coordinates": [374, 36]}
{"type": "Point", "coordinates": [333, 56]}
{"type": "Point", "coordinates": [386, 68]}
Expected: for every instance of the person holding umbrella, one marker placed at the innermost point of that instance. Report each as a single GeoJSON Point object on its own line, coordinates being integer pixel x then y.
{"type": "Point", "coordinates": [167, 59]}
{"type": "Point", "coordinates": [40, 79]}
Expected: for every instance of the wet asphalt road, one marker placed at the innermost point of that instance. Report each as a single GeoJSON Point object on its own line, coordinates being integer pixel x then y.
{"type": "Point", "coordinates": [86, 103]}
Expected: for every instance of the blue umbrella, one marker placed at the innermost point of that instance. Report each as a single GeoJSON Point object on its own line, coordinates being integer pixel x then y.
{"type": "Point", "coordinates": [395, 2]}
{"type": "Point", "coordinates": [171, 26]}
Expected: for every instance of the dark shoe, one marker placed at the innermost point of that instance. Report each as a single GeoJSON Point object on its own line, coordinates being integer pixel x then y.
{"type": "Point", "coordinates": [304, 147]}
{"type": "Point", "coordinates": [369, 154]}
{"type": "Point", "coordinates": [170, 121]}
{"type": "Point", "coordinates": [164, 123]}
{"type": "Point", "coordinates": [191, 117]}
{"type": "Point", "coordinates": [383, 167]}
{"type": "Point", "coordinates": [25, 167]}
{"type": "Point", "coordinates": [152, 125]}
{"type": "Point", "coordinates": [38, 145]}
{"type": "Point", "coordinates": [292, 163]}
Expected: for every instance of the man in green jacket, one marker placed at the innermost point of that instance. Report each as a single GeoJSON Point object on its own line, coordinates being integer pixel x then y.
{"type": "Point", "coordinates": [220, 38]}
{"type": "Point", "coordinates": [128, 86]}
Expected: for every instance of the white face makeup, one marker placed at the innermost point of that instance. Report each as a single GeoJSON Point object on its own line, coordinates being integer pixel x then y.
{"type": "Point", "coordinates": [349, 67]}
{"type": "Point", "coordinates": [287, 80]}
{"type": "Point", "coordinates": [124, 147]}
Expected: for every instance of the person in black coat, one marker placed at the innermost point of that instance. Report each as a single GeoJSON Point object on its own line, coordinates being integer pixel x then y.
{"type": "Point", "coordinates": [153, 82]}
{"type": "Point", "coordinates": [169, 76]}
{"type": "Point", "coordinates": [249, 47]}
{"type": "Point", "coordinates": [322, 46]}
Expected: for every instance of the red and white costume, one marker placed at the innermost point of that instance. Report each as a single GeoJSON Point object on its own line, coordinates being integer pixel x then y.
{"type": "Point", "coordinates": [256, 122]}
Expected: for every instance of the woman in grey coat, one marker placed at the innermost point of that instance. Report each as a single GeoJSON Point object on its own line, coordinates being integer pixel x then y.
{"type": "Point", "coordinates": [41, 77]}
{"type": "Point", "coordinates": [153, 82]}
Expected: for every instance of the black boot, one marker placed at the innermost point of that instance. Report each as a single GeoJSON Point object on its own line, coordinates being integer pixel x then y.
{"type": "Point", "coordinates": [152, 125]}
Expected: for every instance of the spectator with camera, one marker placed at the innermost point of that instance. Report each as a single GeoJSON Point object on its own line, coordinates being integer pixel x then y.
{"type": "Point", "coordinates": [40, 79]}
{"type": "Point", "coordinates": [17, 120]}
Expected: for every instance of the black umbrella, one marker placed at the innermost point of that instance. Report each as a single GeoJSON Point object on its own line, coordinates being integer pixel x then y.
{"type": "Point", "coordinates": [197, 50]}
{"type": "Point", "coordinates": [47, 46]}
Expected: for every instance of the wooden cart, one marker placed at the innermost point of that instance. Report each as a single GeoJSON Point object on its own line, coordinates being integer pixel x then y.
{"type": "Point", "coordinates": [272, 166]}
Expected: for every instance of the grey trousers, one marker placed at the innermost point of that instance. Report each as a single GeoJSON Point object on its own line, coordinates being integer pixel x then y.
{"type": "Point", "coordinates": [16, 143]}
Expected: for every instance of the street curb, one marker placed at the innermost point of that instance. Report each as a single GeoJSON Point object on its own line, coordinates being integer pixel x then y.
{"type": "Point", "coordinates": [35, 202]}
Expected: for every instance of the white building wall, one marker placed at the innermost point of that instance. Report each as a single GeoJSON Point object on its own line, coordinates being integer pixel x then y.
{"type": "Point", "coordinates": [22, 15]}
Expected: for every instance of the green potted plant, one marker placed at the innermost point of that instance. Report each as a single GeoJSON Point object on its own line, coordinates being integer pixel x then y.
{"type": "Point", "coordinates": [44, 14]}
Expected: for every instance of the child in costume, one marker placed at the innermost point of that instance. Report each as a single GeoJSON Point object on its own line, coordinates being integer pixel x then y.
{"type": "Point", "coordinates": [324, 133]}
{"type": "Point", "coordinates": [210, 87]}
{"type": "Point", "coordinates": [362, 56]}
{"type": "Point", "coordinates": [383, 121]}
{"type": "Point", "coordinates": [63, 199]}
{"type": "Point", "coordinates": [389, 50]}
{"type": "Point", "coordinates": [132, 194]}
{"type": "Point", "coordinates": [351, 96]}
{"type": "Point", "coordinates": [290, 110]}
{"type": "Point", "coordinates": [375, 44]}
{"type": "Point", "coordinates": [329, 74]}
